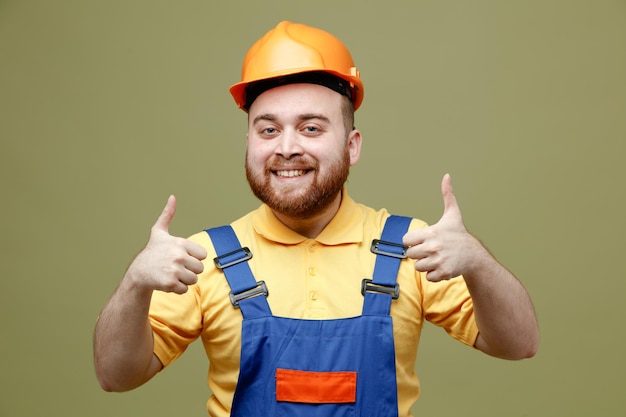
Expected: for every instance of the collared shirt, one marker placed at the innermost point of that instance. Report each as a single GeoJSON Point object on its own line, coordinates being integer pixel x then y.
{"type": "Point", "coordinates": [308, 279]}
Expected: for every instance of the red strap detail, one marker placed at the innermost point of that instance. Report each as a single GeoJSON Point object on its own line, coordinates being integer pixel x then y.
{"type": "Point", "coordinates": [315, 387]}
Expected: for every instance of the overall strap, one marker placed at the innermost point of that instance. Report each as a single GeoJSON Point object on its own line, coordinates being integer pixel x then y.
{"type": "Point", "coordinates": [232, 259]}
{"type": "Point", "coordinates": [389, 250]}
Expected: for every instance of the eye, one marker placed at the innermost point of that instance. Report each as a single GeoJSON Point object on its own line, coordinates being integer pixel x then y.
{"type": "Point", "coordinates": [311, 130]}
{"type": "Point", "coordinates": [268, 132]}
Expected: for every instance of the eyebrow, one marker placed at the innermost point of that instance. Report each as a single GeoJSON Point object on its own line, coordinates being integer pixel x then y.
{"type": "Point", "coordinates": [303, 117]}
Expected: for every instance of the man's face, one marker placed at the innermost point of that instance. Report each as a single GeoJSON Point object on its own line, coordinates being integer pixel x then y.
{"type": "Point", "coordinates": [299, 153]}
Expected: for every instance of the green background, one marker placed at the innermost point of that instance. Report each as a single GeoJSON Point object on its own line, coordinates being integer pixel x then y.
{"type": "Point", "coordinates": [107, 107]}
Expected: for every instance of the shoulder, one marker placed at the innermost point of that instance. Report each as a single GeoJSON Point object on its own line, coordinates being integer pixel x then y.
{"type": "Point", "coordinates": [375, 219]}
{"type": "Point", "coordinates": [240, 226]}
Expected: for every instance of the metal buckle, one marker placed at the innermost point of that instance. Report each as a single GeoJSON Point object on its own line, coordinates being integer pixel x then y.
{"type": "Point", "coordinates": [368, 286]}
{"type": "Point", "coordinates": [223, 262]}
{"type": "Point", "coordinates": [260, 288]}
{"type": "Point", "coordinates": [378, 245]}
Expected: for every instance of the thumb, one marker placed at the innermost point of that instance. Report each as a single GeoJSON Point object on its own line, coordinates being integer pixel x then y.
{"type": "Point", "coordinates": [450, 206]}
{"type": "Point", "coordinates": [164, 220]}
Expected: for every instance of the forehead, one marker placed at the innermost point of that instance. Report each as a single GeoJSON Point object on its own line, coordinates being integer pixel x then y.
{"type": "Point", "coordinates": [293, 99]}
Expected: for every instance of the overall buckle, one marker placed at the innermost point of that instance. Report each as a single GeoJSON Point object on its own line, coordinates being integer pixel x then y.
{"type": "Point", "coordinates": [260, 289]}
{"type": "Point", "coordinates": [232, 258]}
{"type": "Point", "coordinates": [368, 286]}
{"type": "Point", "coordinates": [383, 247]}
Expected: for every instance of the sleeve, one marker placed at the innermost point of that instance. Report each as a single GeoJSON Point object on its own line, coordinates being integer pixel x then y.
{"type": "Point", "coordinates": [176, 321]}
{"type": "Point", "coordinates": [448, 304]}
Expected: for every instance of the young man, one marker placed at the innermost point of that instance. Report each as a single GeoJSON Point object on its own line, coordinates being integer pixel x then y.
{"type": "Point", "coordinates": [292, 324]}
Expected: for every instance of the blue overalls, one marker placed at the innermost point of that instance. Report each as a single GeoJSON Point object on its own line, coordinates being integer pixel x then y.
{"type": "Point", "coordinates": [315, 368]}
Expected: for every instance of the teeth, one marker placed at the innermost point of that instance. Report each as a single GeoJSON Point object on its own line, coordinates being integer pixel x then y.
{"type": "Point", "coordinates": [291, 173]}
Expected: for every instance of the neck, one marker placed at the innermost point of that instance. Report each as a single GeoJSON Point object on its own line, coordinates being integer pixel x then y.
{"type": "Point", "coordinates": [311, 227]}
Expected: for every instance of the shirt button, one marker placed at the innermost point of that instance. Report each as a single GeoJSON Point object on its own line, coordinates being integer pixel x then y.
{"type": "Point", "coordinates": [313, 295]}
{"type": "Point", "coordinates": [312, 271]}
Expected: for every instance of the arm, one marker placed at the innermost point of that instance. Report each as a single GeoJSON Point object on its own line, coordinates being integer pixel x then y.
{"type": "Point", "coordinates": [123, 341]}
{"type": "Point", "coordinates": [504, 312]}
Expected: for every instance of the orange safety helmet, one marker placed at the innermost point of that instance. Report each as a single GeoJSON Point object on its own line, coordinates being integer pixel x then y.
{"type": "Point", "coordinates": [293, 49]}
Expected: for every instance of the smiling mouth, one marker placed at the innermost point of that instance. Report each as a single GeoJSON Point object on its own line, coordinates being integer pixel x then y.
{"type": "Point", "coordinates": [290, 173]}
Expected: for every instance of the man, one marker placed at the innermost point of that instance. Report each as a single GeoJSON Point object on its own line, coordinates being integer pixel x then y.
{"type": "Point", "coordinates": [289, 324]}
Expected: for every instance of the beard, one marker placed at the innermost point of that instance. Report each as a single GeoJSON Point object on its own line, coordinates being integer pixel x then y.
{"type": "Point", "coordinates": [300, 202]}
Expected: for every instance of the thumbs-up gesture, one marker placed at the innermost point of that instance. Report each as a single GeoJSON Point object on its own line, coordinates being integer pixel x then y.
{"type": "Point", "coordinates": [167, 263]}
{"type": "Point", "coordinates": [446, 249]}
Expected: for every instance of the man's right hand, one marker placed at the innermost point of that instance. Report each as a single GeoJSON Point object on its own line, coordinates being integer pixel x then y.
{"type": "Point", "coordinates": [123, 339]}
{"type": "Point", "coordinates": [167, 263]}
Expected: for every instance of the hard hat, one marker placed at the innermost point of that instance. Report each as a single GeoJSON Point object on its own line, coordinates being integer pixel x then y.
{"type": "Point", "coordinates": [295, 50]}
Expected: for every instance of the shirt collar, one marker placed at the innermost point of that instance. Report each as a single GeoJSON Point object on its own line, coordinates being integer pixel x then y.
{"type": "Point", "coordinates": [345, 227]}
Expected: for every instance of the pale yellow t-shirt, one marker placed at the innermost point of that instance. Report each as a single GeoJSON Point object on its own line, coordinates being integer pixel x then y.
{"type": "Point", "coordinates": [306, 279]}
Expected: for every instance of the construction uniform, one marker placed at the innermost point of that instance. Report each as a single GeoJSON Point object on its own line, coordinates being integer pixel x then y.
{"type": "Point", "coordinates": [315, 310]}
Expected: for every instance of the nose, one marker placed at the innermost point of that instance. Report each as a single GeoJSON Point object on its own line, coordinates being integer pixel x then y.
{"type": "Point", "coordinates": [288, 144]}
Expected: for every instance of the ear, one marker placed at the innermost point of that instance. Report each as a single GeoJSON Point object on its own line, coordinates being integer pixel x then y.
{"type": "Point", "coordinates": [354, 146]}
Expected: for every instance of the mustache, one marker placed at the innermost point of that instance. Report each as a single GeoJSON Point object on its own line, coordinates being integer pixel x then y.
{"type": "Point", "coordinates": [279, 161]}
